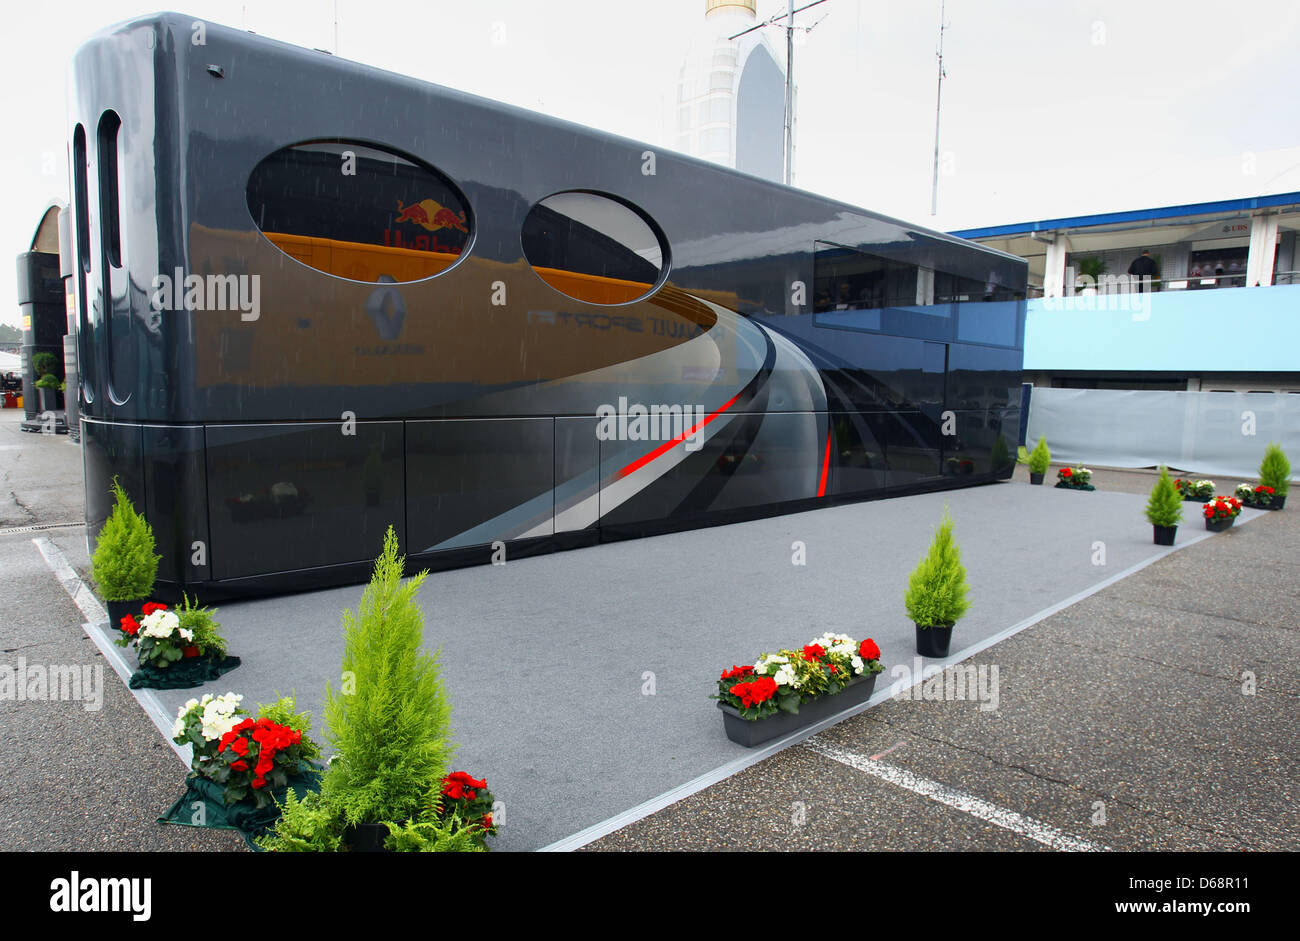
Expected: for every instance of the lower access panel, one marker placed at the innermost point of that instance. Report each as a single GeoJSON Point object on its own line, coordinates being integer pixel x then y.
{"type": "Point", "coordinates": [285, 497]}
{"type": "Point", "coordinates": [473, 481]}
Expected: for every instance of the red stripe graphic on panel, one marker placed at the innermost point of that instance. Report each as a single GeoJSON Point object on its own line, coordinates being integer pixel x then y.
{"type": "Point", "coordinates": [826, 463]}
{"type": "Point", "coordinates": [668, 445]}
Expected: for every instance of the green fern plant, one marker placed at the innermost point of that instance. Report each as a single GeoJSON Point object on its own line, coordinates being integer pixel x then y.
{"type": "Point", "coordinates": [391, 724]}
{"type": "Point", "coordinates": [418, 836]}
{"type": "Point", "coordinates": [1165, 506]}
{"type": "Point", "coordinates": [306, 825]}
{"type": "Point", "coordinates": [203, 622]}
{"type": "Point", "coordinates": [124, 566]}
{"type": "Point", "coordinates": [937, 594]}
{"type": "Point", "coordinates": [1040, 457]}
{"type": "Point", "coordinates": [1275, 469]}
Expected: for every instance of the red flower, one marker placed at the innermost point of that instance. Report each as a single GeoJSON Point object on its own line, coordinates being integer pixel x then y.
{"type": "Point", "coordinates": [239, 765]}
{"type": "Point", "coordinates": [868, 650]}
{"type": "Point", "coordinates": [751, 694]}
{"type": "Point", "coordinates": [240, 747]}
{"type": "Point", "coordinates": [736, 673]}
{"type": "Point", "coordinates": [258, 783]}
{"type": "Point", "coordinates": [1066, 472]}
{"type": "Point", "coordinates": [152, 606]}
{"type": "Point", "coordinates": [487, 821]}
{"type": "Point", "coordinates": [460, 785]}
{"type": "Point", "coordinates": [234, 734]}
{"type": "Point", "coordinates": [130, 625]}
{"type": "Point", "coordinates": [814, 652]}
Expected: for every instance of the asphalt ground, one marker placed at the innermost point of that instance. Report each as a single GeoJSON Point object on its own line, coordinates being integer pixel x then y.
{"type": "Point", "coordinates": [1122, 721]}
{"type": "Point", "coordinates": [1130, 698]}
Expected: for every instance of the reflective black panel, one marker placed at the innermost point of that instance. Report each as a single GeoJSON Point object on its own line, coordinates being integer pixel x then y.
{"type": "Point", "coordinates": [474, 482]}
{"type": "Point", "coordinates": [285, 497]}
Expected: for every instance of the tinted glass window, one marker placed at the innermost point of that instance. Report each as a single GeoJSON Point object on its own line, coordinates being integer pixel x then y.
{"type": "Point", "coordinates": [593, 248]}
{"type": "Point", "coordinates": [845, 279]}
{"type": "Point", "coordinates": [359, 212]}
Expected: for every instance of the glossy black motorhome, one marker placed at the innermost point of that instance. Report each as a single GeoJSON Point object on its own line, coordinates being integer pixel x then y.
{"type": "Point", "coordinates": [270, 448]}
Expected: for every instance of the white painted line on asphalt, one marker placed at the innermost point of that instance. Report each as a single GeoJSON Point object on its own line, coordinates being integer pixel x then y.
{"type": "Point", "coordinates": [95, 614]}
{"type": "Point", "coordinates": [1035, 830]}
{"type": "Point", "coordinates": [721, 773]}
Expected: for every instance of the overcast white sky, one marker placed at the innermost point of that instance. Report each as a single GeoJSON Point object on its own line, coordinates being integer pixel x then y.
{"type": "Point", "coordinates": [1049, 109]}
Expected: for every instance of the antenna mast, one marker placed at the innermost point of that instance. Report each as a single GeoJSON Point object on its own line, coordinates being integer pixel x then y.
{"type": "Point", "coordinates": [934, 192]}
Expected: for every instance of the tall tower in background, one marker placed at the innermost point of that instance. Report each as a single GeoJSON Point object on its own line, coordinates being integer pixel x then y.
{"type": "Point", "coordinates": [731, 93]}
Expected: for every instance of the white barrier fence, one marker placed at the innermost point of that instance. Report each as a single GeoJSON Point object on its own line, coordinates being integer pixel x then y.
{"type": "Point", "coordinates": [1203, 433]}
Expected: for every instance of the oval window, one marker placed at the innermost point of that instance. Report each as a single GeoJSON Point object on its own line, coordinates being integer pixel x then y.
{"type": "Point", "coordinates": [593, 248]}
{"type": "Point", "coordinates": [359, 212]}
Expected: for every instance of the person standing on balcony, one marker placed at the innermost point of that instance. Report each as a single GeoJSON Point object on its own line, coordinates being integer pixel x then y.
{"type": "Point", "coordinates": [1144, 266]}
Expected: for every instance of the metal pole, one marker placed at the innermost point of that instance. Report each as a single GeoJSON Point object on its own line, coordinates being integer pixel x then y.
{"type": "Point", "coordinates": [789, 93]}
{"type": "Point", "coordinates": [934, 193]}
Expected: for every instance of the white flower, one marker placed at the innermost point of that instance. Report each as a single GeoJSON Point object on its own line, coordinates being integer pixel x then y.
{"type": "Point", "coordinates": [221, 715]}
{"type": "Point", "coordinates": [858, 665]}
{"type": "Point", "coordinates": [767, 660]}
{"type": "Point", "coordinates": [785, 676]}
{"type": "Point", "coordinates": [178, 728]}
{"type": "Point", "coordinates": [159, 624]}
{"type": "Point", "coordinates": [186, 633]}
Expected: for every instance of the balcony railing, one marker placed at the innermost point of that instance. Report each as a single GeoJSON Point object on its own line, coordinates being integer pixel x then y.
{"type": "Point", "coordinates": [1127, 284]}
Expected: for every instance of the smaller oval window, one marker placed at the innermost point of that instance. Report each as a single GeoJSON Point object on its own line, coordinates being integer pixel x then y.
{"type": "Point", "coordinates": [593, 248]}
{"type": "Point", "coordinates": [359, 212]}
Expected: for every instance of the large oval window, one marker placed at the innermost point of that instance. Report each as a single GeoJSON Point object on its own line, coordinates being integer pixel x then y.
{"type": "Point", "coordinates": [593, 248]}
{"type": "Point", "coordinates": [359, 212]}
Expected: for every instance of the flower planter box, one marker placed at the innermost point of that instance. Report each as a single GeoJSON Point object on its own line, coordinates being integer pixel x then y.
{"type": "Point", "coordinates": [1219, 525]}
{"type": "Point", "coordinates": [1164, 535]}
{"type": "Point", "coordinates": [751, 732]}
{"type": "Point", "coordinates": [1062, 485]}
{"type": "Point", "coordinates": [1193, 499]}
{"type": "Point", "coordinates": [1274, 503]}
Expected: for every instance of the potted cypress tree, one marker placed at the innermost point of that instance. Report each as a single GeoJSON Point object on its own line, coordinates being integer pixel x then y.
{"type": "Point", "coordinates": [1039, 459]}
{"type": "Point", "coordinates": [1164, 509]}
{"type": "Point", "coordinates": [1275, 472]}
{"type": "Point", "coordinates": [387, 786]}
{"type": "Point", "coordinates": [937, 593]}
{"type": "Point", "coordinates": [47, 382]}
{"type": "Point", "coordinates": [123, 564]}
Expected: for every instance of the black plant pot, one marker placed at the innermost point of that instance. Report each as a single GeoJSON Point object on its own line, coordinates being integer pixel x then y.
{"type": "Point", "coordinates": [1164, 535]}
{"type": "Point", "coordinates": [751, 732]}
{"type": "Point", "coordinates": [120, 609]}
{"type": "Point", "coordinates": [1036, 478]}
{"type": "Point", "coordinates": [933, 641]}
{"type": "Point", "coordinates": [1278, 502]}
{"type": "Point", "coordinates": [1219, 525]}
{"type": "Point", "coordinates": [366, 837]}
